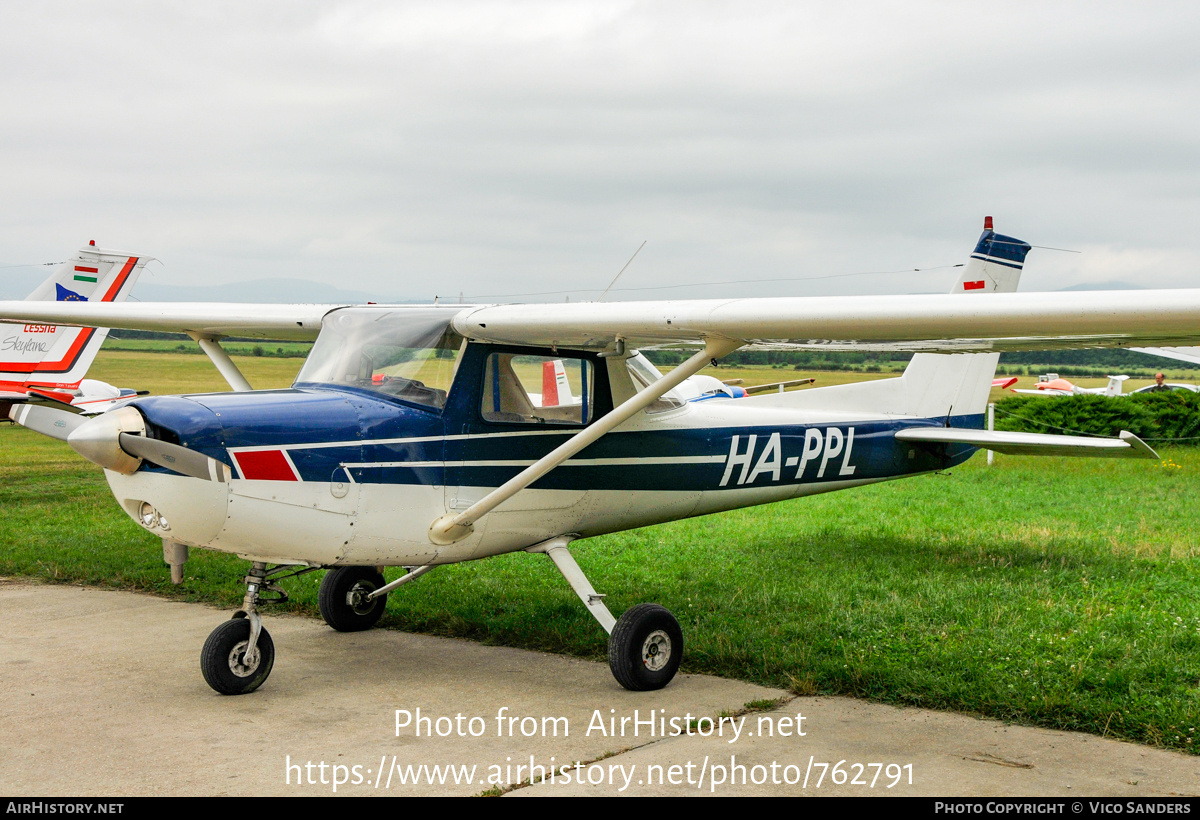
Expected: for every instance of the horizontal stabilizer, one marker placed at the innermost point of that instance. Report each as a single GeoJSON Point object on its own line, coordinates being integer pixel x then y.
{"type": "Point", "coordinates": [1033, 444]}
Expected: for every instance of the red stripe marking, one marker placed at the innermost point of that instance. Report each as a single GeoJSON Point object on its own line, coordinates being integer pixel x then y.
{"type": "Point", "coordinates": [31, 385]}
{"type": "Point", "coordinates": [121, 277]}
{"type": "Point", "coordinates": [82, 269]}
{"type": "Point", "coordinates": [549, 385]}
{"type": "Point", "coordinates": [65, 398]}
{"type": "Point", "coordinates": [60, 366]}
{"type": "Point", "coordinates": [265, 465]}
{"type": "Point", "coordinates": [973, 285]}
{"type": "Point", "coordinates": [68, 360]}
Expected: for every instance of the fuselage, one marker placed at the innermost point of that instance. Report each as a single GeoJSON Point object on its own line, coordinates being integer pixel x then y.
{"type": "Point", "coordinates": [335, 474]}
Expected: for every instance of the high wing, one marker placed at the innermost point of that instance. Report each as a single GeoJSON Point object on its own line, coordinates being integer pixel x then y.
{"type": "Point", "coordinates": [207, 319]}
{"type": "Point", "coordinates": [930, 323]}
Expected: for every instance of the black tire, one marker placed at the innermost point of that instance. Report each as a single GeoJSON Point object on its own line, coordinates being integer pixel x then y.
{"type": "Point", "coordinates": [342, 598]}
{"type": "Point", "coordinates": [645, 648]}
{"type": "Point", "coordinates": [221, 659]}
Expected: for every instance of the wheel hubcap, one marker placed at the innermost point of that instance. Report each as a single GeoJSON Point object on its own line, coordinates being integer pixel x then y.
{"type": "Point", "coordinates": [357, 599]}
{"type": "Point", "coordinates": [239, 664]}
{"type": "Point", "coordinates": [656, 650]}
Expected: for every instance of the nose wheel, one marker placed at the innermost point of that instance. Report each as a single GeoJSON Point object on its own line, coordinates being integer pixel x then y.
{"type": "Point", "coordinates": [238, 655]}
{"type": "Point", "coordinates": [230, 665]}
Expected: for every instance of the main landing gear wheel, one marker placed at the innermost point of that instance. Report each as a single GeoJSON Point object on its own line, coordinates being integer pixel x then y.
{"type": "Point", "coordinates": [224, 663]}
{"type": "Point", "coordinates": [343, 598]}
{"type": "Point", "coordinates": [645, 648]}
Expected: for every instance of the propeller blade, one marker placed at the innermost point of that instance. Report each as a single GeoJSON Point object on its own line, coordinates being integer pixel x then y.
{"type": "Point", "coordinates": [174, 457]}
{"type": "Point", "coordinates": [46, 420]}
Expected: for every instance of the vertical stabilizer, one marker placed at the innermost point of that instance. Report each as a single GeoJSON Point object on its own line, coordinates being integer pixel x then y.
{"type": "Point", "coordinates": [1115, 385]}
{"type": "Point", "coordinates": [57, 356]}
{"type": "Point", "coordinates": [995, 264]}
{"type": "Point", "coordinates": [941, 384]}
{"type": "Point", "coordinates": [934, 385]}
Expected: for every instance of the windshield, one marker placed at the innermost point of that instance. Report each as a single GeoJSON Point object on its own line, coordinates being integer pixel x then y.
{"type": "Point", "coordinates": [408, 353]}
{"type": "Point", "coordinates": [644, 374]}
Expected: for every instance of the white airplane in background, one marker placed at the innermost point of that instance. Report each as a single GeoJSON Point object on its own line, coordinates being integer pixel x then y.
{"type": "Point", "coordinates": [47, 362]}
{"type": "Point", "coordinates": [1052, 385]}
{"type": "Point", "coordinates": [702, 387]}
{"type": "Point", "coordinates": [556, 385]}
{"type": "Point", "coordinates": [410, 440]}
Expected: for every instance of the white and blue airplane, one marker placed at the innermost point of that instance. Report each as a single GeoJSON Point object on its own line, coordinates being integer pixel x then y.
{"type": "Point", "coordinates": [418, 436]}
{"type": "Point", "coordinates": [43, 362]}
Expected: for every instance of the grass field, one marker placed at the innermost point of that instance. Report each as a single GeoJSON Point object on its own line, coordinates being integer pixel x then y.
{"type": "Point", "coordinates": [1056, 592]}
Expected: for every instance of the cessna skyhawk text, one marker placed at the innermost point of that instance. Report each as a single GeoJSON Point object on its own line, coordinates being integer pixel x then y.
{"type": "Point", "coordinates": [417, 436]}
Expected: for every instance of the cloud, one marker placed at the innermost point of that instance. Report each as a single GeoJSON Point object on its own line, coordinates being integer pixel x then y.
{"type": "Point", "coordinates": [404, 148]}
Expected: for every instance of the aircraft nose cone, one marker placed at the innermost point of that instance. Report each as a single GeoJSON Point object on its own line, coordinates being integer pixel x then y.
{"type": "Point", "coordinates": [98, 439]}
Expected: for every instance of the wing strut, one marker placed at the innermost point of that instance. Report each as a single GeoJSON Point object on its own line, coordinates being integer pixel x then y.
{"type": "Point", "coordinates": [453, 527]}
{"type": "Point", "coordinates": [223, 363]}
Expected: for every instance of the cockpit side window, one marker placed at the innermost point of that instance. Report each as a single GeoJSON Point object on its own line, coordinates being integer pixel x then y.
{"type": "Point", "coordinates": [521, 389]}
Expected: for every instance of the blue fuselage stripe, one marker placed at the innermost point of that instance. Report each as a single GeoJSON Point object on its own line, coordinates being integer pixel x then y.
{"type": "Point", "coordinates": [686, 460]}
{"type": "Point", "coordinates": [326, 433]}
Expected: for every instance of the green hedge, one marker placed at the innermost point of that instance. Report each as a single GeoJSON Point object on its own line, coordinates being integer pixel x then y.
{"type": "Point", "coordinates": [1160, 416]}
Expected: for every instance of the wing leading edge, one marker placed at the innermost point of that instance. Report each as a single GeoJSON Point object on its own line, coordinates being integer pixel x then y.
{"type": "Point", "coordinates": [216, 319]}
{"type": "Point", "coordinates": [933, 323]}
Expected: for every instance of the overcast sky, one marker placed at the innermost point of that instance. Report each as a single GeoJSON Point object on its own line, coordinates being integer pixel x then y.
{"type": "Point", "coordinates": [415, 149]}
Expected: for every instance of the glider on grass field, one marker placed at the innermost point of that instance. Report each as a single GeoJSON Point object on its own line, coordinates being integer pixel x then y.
{"type": "Point", "coordinates": [418, 436]}
{"type": "Point", "coordinates": [1052, 385]}
{"type": "Point", "coordinates": [43, 362]}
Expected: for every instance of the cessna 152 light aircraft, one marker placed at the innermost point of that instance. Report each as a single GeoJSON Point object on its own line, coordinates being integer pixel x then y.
{"type": "Point", "coordinates": [417, 436]}
{"type": "Point", "coordinates": [47, 362]}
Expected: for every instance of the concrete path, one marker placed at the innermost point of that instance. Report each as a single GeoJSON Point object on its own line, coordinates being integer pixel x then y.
{"type": "Point", "coordinates": [102, 696]}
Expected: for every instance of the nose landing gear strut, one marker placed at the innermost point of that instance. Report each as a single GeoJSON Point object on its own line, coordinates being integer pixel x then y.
{"type": "Point", "coordinates": [239, 654]}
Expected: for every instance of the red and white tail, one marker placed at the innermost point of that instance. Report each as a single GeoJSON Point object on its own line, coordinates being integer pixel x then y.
{"type": "Point", "coordinates": [56, 357]}
{"type": "Point", "coordinates": [556, 390]}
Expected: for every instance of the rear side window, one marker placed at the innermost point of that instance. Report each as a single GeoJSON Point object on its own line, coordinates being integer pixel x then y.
{"type": "Point", "coordinates": [537, 390]}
